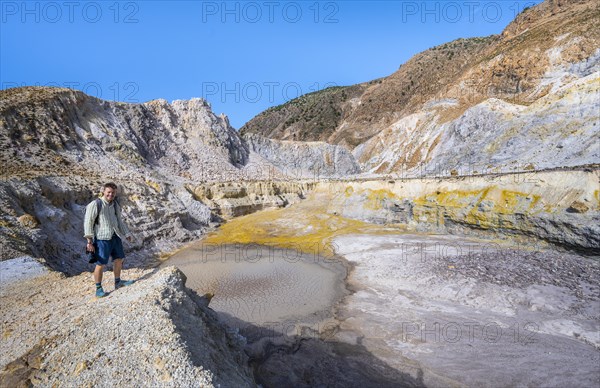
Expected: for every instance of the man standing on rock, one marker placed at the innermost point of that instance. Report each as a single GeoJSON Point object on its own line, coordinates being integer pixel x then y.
{"type": "Point", "coordinates": [103, 224]}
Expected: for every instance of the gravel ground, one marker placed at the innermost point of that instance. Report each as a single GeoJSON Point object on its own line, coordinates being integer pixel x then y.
{"type": "Point", "coordinates": [153, 333]}
{"type": "Point", "coordinates": [520, 269]}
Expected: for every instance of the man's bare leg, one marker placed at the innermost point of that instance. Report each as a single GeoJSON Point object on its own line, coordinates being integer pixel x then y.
{"type": "Point", "coordinates": [98, 273]}
{"type": "Point", "coordinates": [117, 265]}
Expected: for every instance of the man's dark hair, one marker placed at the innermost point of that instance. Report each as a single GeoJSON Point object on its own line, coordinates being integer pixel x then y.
{"type": "Point", "coordinates": [111, 185]}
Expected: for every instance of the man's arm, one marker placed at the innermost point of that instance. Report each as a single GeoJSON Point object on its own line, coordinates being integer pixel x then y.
{"type": "Point", "coordinates": [122, 226]}
{"type": "Point", "coordinates": [91, 211]}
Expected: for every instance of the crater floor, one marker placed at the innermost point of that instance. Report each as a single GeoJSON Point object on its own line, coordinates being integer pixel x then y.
{"type": "Point", "coordinates": [426, 309]}
{"type": "Point", "coordinates": [473, 312]}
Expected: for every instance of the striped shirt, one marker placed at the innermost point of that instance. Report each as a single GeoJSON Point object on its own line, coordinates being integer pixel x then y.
{"type": "Point", "coordinates": [109, 221]}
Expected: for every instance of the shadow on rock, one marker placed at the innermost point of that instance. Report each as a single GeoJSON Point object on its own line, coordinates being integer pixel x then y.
{"type": "Point", "coordinates": [313, 360]}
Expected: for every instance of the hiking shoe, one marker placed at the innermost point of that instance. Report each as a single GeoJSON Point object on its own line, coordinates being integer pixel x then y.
{"type": "Point", "coordinates": [123, 283]}
{"type": "Point", "coordinates": [100, 293]}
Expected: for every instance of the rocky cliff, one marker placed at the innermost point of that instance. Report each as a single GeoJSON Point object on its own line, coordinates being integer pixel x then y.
{"type": "Point", "coordinates": [305, 159]}
{"type": "Point", "coordinates": [232, 199]}
{"type": "Point", "coordinates": [524, 99]}
{"type": "Point", "coordinates": [557, 207]}
{"type": "Point", "coordinates": [59, 146]}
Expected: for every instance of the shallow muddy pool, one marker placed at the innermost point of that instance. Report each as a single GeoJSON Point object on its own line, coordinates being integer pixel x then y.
{"type": "Point", "coordinates": [260, 284]}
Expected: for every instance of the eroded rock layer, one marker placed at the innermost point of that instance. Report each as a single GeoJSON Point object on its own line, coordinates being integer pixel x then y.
{"type": "Point", "coordinates": [561, 207]}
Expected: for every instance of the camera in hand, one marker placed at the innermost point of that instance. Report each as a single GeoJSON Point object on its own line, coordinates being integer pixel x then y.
{"type": "Point", "coordinates": [91, 256]}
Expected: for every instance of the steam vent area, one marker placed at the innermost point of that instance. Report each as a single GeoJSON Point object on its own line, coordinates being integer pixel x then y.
{"type": "Point", "coordinates": [417, 237]}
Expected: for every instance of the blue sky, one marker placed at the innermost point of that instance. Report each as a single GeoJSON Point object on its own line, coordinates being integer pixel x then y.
{"type": "Point", "coordinates": [242, 56]}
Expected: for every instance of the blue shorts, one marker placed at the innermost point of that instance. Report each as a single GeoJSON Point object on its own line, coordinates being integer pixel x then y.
{"type": "Point", "coordinates": [109, 248]}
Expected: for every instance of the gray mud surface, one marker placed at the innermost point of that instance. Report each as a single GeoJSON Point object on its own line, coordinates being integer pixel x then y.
{"type": "Point", "coordinates": [261, 285]}
{"type": "Point", "coordinates": [489, 318]}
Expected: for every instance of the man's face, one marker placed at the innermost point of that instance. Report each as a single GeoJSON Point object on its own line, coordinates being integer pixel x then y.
{"type": "Point", "coordinates": [109, 193]}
